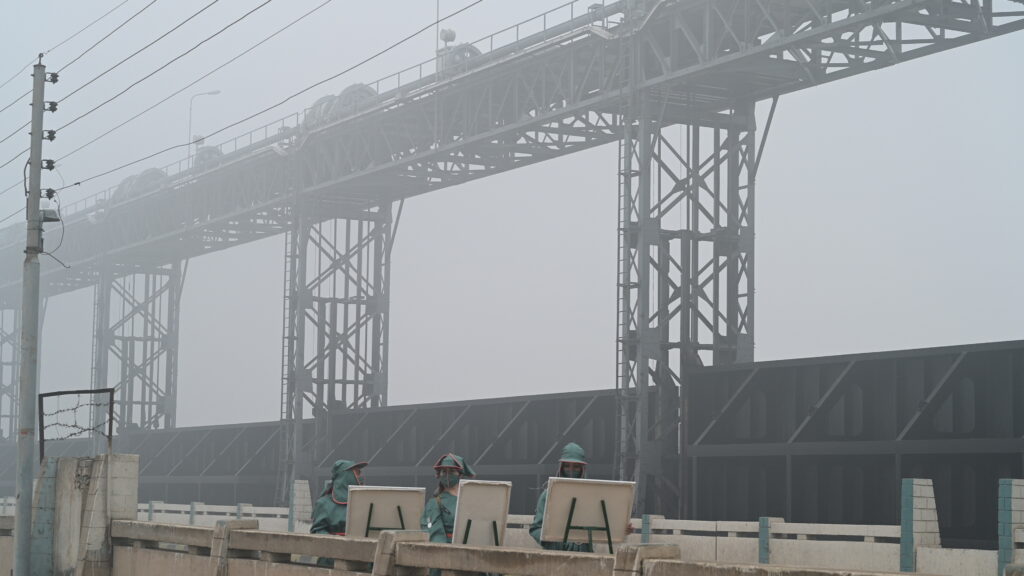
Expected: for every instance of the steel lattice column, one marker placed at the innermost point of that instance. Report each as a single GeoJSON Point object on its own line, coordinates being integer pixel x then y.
{"type": "Point", "coordinates": [135, 346]}
{"type": "Point", "coordinates": [10, 348]}
{"type": "Point", "coordinates": [686, 277]}
{"type": "Point", "coordinates": [335, 346]}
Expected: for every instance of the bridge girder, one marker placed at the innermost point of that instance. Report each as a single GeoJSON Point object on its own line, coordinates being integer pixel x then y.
{"type": "Point", "coordinates": [701, 61]}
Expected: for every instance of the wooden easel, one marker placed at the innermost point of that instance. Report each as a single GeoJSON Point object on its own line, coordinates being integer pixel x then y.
{"type": "Point", "coordinates": [607, 529]}
{"type": "Point", "coordinates": [370, 526]}
{"type": "Point", "coordinates": [494, 531]}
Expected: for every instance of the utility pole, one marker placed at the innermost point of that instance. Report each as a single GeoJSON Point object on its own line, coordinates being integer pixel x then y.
{"type": "Point", "coordinates": [29, 333]}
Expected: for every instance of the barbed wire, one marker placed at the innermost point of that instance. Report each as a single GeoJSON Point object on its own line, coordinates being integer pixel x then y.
{"type": "Point", "coordinates": [57, 425]}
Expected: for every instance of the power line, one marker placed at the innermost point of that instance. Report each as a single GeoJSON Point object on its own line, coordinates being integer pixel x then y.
{"type": "Point", "coordinates": [9, 216]}
{"type": "Point", "coordinates": [16, 100]}
{"type": "Point", "coordinates": [9, 188]}
{"type": "Point", "coordinates": [108, 35]}
{"type": "Point", "coordinates": [61, 43]}
{"type": "Point", "coordinates": [65, 41]}
{"type": "Point", "coordinates": [139, 51]}
{"type": "Point", "coordinates": [197, 80]}
{"type": "Point", "coordinates": [285, 100]}
{"type": "Point", "coordinates": [15, 133]}
{"type": "Point", "coordinates": [168, 63]}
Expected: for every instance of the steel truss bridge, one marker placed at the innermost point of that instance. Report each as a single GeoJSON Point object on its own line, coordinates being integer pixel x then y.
{"type": "Point", "coordinates": [814, 440]}
{"type": "Point", "coordinates": [629, 72]}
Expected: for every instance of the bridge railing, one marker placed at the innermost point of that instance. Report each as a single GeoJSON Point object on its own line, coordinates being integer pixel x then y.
{"type": "Point", "coordinates": [233, 546]}
{"type": "Point", "coordinates": [259, 137]}
{"type": "Point", "coordinates": [503, 38]}
{"type": "Point", "coordinates": [393, 83]}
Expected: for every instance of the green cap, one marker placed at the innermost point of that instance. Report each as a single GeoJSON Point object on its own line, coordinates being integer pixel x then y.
{"type": "Point", "coordinates": [573, 453]}
{"type": "Point", "coordinates": [450, 460]}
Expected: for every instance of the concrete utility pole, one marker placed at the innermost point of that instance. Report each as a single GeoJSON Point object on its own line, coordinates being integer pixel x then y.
{"type": "Point", "coordinates": [29, 333]}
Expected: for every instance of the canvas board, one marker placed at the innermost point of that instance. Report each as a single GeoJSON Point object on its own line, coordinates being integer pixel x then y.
{"type": "Point", "coordinates": [482, 506]}
{"type": "Point", "coordinates": [386, 501]}
{"type": "Point", "coordinates": [618, 499]}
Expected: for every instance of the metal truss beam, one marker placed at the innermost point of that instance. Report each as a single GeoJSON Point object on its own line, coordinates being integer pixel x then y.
{"type": "Point", "coordinates": [135, 344]}
{"type": "Point", "coordinates": [10, 352]}
{"type": "Point", "coordinates": [540, 98]}
{"type": "Point", "coordinates": [686, 275]}
{"type": "Point", "coordinates": [335, 343]}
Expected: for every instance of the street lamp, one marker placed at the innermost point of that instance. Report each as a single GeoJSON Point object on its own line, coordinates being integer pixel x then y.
{"type": "Point", "coordinates": [188, 157]}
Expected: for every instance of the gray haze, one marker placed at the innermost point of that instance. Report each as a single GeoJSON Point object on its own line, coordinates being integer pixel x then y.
{"type": "Point", "coordinates": [888, 210]}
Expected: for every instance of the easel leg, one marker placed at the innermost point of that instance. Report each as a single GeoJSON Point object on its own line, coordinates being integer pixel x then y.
{"type": "Point", "coordinates": [607, 526]}
{"type": "Point", "coordinates": [369, 521]}
{"type": "Point", "coordinates": [568, 522]}
{"type": "Point", "coordinates": [494, 531]}
{"type": "Point", "coordinates": [465, 536]}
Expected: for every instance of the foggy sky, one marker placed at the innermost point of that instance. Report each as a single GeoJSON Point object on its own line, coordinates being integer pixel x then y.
{"type": "Point", "coordinates": [888, 210]}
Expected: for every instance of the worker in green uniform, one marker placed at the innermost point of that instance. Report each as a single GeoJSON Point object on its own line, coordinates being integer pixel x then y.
{"type": "Point", "coordinates": [330, 510]}
{"type": "Point", "coordinates": [572, 464]}
{"type": "Point", "coordinates": [439, 513]}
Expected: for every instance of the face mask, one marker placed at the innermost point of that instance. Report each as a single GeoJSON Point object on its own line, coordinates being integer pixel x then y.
{"type": "Point", "coordinates": [361, 480]}
{"type": "Point", "coordinates": [572, 472]}
{"type": "Point", "coordinates": [450, 480]}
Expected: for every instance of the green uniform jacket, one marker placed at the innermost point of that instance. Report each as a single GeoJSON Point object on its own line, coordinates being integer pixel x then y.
{"type": "Point", "coordinates": [439, 517]}
{"type": "Point", "coordinates": [331, 508]}
{"type": "Point", "coordinates": [329, 516]}
{"type": "Point", "coordinates": [538, 523]}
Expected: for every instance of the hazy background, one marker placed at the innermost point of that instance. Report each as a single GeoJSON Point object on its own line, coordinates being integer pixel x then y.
{"type": "Point", "coordinates": [888, 209]}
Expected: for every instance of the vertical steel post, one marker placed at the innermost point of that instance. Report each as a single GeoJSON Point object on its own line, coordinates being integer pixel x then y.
{"type": "Point", "coordinates": [335, 341]}
{"type": "Point", "coordinates": [29, 333]}
{"type": "Point", "coordinates": [10, 345]}
{"type": "Point", "coordinates": [135, 327]}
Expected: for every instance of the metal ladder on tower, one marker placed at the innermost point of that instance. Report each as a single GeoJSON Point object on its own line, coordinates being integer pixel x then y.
{"type": "Point", "coordinates": [288, 342]}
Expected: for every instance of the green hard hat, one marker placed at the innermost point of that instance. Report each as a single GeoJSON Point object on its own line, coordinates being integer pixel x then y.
{"type": "Point", "coordinates": [342, 476]}
{"type": "Point", "coordinates": [345, 465]}
{"type": "Point", "coordinates": [450, 460]}
{"type": "Point", "coordinates": [572, 453]}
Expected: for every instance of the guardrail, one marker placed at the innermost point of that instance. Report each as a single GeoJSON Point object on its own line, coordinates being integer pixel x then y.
{"type": "Point", "coordinates": [235, 546]}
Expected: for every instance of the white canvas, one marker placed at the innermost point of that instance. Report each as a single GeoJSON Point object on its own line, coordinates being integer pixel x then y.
{"type": "Point", "coordinates": [386, 501]}
{"type": "Point", "coordinates": [618, 499]}
{"type": "Point", "coordinates": [482, 505]}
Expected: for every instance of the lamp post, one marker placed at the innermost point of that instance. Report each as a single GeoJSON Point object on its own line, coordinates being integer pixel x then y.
{"type": "Point", "coordinates": [188, 157]}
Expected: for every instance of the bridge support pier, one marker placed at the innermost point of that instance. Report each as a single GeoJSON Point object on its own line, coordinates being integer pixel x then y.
{"type": "Point", "coordinates": [335, 345]}
{"type": "Point", "coordinates": [10, 349]}
{"type": "Point", "coordinates": [135, 343]}
{"type": "Point", "coordinates": [686, 277]}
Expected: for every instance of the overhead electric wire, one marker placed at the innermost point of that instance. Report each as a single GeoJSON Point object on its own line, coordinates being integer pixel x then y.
{"type": "Point", "coordinates": [65, 41]}
{"type": "Point", "coordinates": [107, 35]}
{"type": "Point", "coordinates": [15, 101]}
{"type": "Point", "coordinates": [198, 80]}
{"type": "Point", "coordinates": [139, 51]}
{"type": "Point", "coordinates": [9, 216]}
{"type": "Point", "coordinates": [15, 133]}
{"type": "Point", "coordinates": [61, 43]}
{"type": "Point", "coordinates": [9, 188]}
{"type": "Point", "coordinates": [283, 101]}
{"type": "Point", "coordinates": [165, 65]}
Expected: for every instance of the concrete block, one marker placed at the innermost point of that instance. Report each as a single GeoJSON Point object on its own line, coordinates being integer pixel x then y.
{"type": "Point", "coordinates": [502, 560]}
{"type": "Point", "coordinates": [1014, 570]}
{"type": "Point", "coordinates": [630, 558]}
{"type": "Point", "coordinates": [124, 466]}
{"type": "Point", "coordinates": [387, 543]}
{"type": "Point", "coordinates": [220, 541]}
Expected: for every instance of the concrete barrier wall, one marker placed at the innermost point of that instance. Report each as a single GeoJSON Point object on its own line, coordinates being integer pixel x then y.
{"type": "Point", "coordinates": [838, 546]}
{"type": "Point", "coordinates": [6, 544]}
{"type": "Point", "coordinates": [863, 547]}
{"type": "Point", "coordinates": [234, 549]}
{"type": "Point", "coordinates": [953, 562]}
